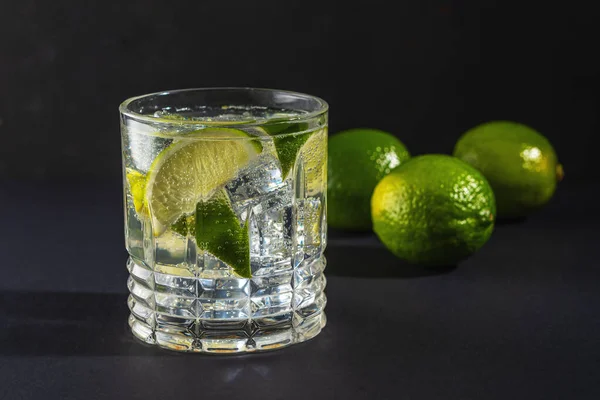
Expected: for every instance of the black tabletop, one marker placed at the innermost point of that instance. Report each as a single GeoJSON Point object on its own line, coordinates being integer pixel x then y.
{"type": "Point", "coordinates": [518, 320]}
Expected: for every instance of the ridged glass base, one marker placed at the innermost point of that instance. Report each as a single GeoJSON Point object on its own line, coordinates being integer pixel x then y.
{"type": "Point", "coordinates": [229, 314]}
{"type": "Point", "coordinates": [242, 337]}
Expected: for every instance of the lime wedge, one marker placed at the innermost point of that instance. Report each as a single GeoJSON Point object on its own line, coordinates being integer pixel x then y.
{"type": "Point", "coordinates": [312, 145]}
{"type": "Point", "coordinates": [137, 187]}
{"type": "Point", "coordinates": [189, 171]}
{"type": "Point", "coordinates": [218, 232]}
{"type": "Point", "coordinates": [288, 138]}
{"type": "Point", "coordinates": [314, 156]}
{"type": "Point", "coordinates": [184, 225]}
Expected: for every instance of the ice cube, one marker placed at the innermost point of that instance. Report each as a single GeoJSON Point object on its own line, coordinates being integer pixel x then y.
{"type": "Point", "coordinates": [270, 239]}
{"type": "Point", "coordinates": [255, 184]}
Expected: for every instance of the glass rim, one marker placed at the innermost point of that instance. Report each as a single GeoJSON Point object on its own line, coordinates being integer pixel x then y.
{"type": "Point", "coordinates": [322, 108]}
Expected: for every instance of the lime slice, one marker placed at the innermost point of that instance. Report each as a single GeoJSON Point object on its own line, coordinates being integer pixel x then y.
{"type": "Point", "coordinates": [137, 187]}
{"type": "Point", "coordinates": [184, 225]}
{"type": "Point", "coordinates": [189, 171]}
{"type": "Point", "coordinates": [218, 232]}
{"type": "Point", "coordinates": [314, 156]}
{"type": "Point", "coordinates": [291, 138]}
{"type": "Point", "coordinates": [288, 138]}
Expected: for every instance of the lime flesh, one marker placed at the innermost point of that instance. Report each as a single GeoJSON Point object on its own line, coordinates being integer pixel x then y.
{"type": "Point", "coordinates": [192, 170]}
{"type": "Point", "coordinates": [183, 190]}
{"type": "Point", "coordinates": [137, 187]}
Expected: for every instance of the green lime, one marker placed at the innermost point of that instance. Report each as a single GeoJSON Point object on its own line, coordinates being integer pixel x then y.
{"type": "Point", "coordinates": [191, 170]}
{"type": "Point", "coordinates": [358, 160]}
{"type": "Point", "coordinates": [313, 152]}
{"type": "Point", "coordinates": [314, 158]}
{"type": "Point", "coordinates": [519, 163]}
{"type": "Point", "coordinates": [137, 187]}
{"type": "Point", "coordinates": [288, 138]}
{"type": "Point", "coordinates": [433, 210]}
{"type": "Point", "coordinates": [186, 224]}
{"type": "Point", "coordinates": [183, 191]}
{"type": "Point", "coordinates": [218, 231]}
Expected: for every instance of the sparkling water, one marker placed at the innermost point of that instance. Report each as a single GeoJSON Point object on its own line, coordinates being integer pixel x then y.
{"type": "Point", "coordinates": [184, 298]}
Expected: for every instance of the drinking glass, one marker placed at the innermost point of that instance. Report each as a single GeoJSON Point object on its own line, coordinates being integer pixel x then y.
{"type": "Point", "coordinates": [225, 217]}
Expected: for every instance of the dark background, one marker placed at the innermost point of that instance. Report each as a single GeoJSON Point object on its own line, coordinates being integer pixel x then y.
{"type": "Point", "coordinates": [424, 70]}
{"type": "Point", "coordinates": [520, 319]}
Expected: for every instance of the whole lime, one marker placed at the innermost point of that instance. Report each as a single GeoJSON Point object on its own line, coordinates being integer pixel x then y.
{"type": "Point", "coordinates": [357, 160]}
{"type": "Point", "coordinates": [519, 163]}
{"type": "Point", "coordinates": [433, 210]}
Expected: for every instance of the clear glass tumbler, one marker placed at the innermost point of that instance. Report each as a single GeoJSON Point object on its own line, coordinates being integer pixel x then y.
{"type": "Point", "coordinates": [225, 217]}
